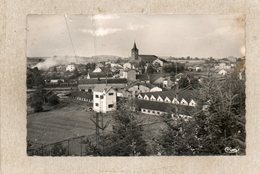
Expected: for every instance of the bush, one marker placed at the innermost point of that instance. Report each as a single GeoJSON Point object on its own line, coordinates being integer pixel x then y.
{"type": "Point", "coordinates": [53, 100]}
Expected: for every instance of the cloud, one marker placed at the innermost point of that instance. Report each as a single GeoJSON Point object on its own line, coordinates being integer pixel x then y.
{"type": "Point", "coordinates": [101, 31]}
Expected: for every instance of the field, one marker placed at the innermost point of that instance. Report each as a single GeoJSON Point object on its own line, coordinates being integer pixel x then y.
{"type": "Point", "coordinates": [73, 120]}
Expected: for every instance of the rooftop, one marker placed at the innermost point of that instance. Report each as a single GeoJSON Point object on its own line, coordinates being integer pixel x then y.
{"type": "Point", "coordinates": [165, 107]}
{"type": "Point", "coordinates": [82, 94]}
{"type": "Point", "coordinates": [103, 81]}
{"type": "Point", "coordinates": [102, 88]}
{"type": "Point", "coordinates": [171, 94]}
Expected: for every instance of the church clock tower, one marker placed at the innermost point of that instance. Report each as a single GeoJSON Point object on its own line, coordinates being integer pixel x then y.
{"type": "Point", "coordinates": [134, 52]}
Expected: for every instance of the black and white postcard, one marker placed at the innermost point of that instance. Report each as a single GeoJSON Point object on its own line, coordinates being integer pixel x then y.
{"type": "Point", "coordinates": [135, 85]}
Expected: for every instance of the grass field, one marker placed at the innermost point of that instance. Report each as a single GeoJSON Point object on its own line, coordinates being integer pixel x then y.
{"type": "Point", "coordinates": [72, 120]}
{"type": "Point", "coordinates": [61, 123]}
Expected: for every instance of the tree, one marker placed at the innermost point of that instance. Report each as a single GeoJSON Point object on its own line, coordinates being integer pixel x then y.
{"type": "Point", "coordinates": [34, 78]}
{"type": "Point", "coordinates": [91, 66]}
{"type": "Point", "coordinates": [38, 99]}
{"type": "Point", "coordinates": [53, 100]}
{"type": "Point", "coordinates": [184, 82]}
{"type": "Point", "coordinates": [150, 69]}
{"type": "Point", "coordinates": [126, 139]}
{"type": "Point", "coordinates": [213, 130]}
{"type": "Point", "coordinates": [58, 150]}
{"type": "Point", "coordinates": [174, 67]}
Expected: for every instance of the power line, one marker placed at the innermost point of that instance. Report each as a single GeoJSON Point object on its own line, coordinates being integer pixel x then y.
{"type": "Point", "coordinates": [69, 33]}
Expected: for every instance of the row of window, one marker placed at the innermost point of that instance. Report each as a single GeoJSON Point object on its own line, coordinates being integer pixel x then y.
{"type": "Point", "coordinates": [109, 106]}
{"type": "Point", "coordinates": [160, 113]}
{"type": "Point", "coordinates": [152, 111]}
{"type": "Point", "coordinates": [101, 96]}
{"type": "Point", "coordinates": [83, 99]}
{"type": "Point", "coordinates": [167, 100]}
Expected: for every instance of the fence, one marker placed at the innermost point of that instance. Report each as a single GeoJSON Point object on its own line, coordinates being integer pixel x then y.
{"type": "Point", "coordinates": [75, 146]}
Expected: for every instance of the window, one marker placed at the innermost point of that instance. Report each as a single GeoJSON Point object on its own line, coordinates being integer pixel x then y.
{"type": "Point", "coordinates": [101, 97]}
{"type": "Point", "coordinates": [97, 96]}
{"type": "Point", "coordinates": [153, 112]}
{"type": "Point", "coordinates": [110, 106]}
{"type": "Point", "coordinates": [148, 111]}
{"type": "Point", "coordinates": [96, 104]}
{"type": "Point", "coordinates": [158, 112]}
{"type": "Point", "coordinates": [111, 93]}
{"type": "Point", "coordinates": [144, 110]}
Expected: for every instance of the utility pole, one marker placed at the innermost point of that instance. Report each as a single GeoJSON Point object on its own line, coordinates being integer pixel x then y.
{"type": "Point", "coordinates": [176, 91]}
{"type": "Point", "coordinates": [97, 129]}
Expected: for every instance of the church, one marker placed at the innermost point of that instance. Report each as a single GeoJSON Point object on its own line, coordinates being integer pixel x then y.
{"type": "Point", "coordinates": [137, 58]}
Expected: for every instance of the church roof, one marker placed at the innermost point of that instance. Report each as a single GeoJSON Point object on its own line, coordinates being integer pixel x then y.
{"type": "Point", "coordinates": [134, 47]}
{"type": "Point", "coordinates": [148, 58]}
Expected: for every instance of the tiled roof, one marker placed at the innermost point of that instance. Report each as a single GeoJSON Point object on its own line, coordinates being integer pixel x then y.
{"type": "Point", "coordinates": [101, 88]}
{"type": "Point", "coordinates": [142, 77]}
{"type": "Point", "coordinates": [105, 69]}
{"type": "Point", "coordinates": [100, 75]}
{"type": "Point", "coordinates": [148, 57]}
{"type": "Point", "coordinates": [154, 77]}
{"type": "Point", "coordinates": [163, 60]}
{"type": "Point", "coordinates": [82, 94]}
{"type": "Point", "coordinates": [102, 81]}
{"type": "Point", "coordinates": [165, 107]}
{"type": "Point", "coordinates": [149, 85]}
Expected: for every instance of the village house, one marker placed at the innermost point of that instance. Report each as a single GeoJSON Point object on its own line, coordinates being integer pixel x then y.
{"type": "Point", "coordinates": [71, 68]}
{"type": "Point", "coordinates": [222, 72]}
{"type": "Point", "coordinates": [163, 81]}
{"type": "Point", "coordinates": [129, 74]}
{"type": "Point", "coordinates": [54, 81]}
{"type": "Point", "coordinates": [138, 88]}
{"type": "Point", "coordinates": [99, 75]}
{"type": "Point", "coordinates": [82, 96]}
{"type": "Point", "coordinates": [104, 99]}
{"type": "Point", "coordinates": [223, 65]}
{"type": "Point", "coordinates": [106, 70]}
{"type": "Point", "coordinates": [97, 70]}
{"type": "Point", "coordinates": [127, 66]}
{"type": "Point", "coordinates": [145, 78]}
{"type": "Point", "coordinates": [89, 84]}
{"type": "Point", "coordinates": [161, 62]}
{"type": "Point", "coordinates": [61, 68]}
{"type": "Point", "coordinates": [100, 65]}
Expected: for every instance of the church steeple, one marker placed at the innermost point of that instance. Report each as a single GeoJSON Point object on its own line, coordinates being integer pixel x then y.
{"type": "Point", "coordinates": [134, 52]}
{"type": "Point", "coordinates": [134, 46]}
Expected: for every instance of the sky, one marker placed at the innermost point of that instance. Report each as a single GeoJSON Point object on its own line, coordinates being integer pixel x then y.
{"type": "Point", "coordinates": [201, 36]}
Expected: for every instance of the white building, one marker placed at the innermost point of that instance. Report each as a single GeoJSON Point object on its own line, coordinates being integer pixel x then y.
{"type": "Point", "coordinates": [97, 70]}
{"type": "Point", "coordinates": [104, 99]}
{"type": "Point", "coordinates": [127, 66]}
{"type": "Point", "coordinates": [222, 72]}
{"type": "Point", "coordinates": [160, 62]}
{"type": "Point", "coordinates": [129, 74]}
{"type": "Point", "coordinates": [70, 68]}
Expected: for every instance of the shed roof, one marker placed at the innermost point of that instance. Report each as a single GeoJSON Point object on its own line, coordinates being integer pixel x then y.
{"type": "Point", "coordinates": [171, 94]}
{"type": "Point", "coordinates": [82, 94]}
{"type": "Point", "coordinates": [165, 107]}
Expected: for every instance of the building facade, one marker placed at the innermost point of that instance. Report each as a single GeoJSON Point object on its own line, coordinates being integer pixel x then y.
{"type": "Point", "coordinates": [104, 99]}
